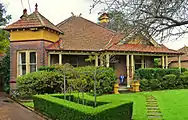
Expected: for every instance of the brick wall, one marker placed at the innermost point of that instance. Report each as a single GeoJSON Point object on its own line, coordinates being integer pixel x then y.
{"type": "Point", "coordinates": [184, 64]}
{"type": "Point", "coordinates": [39, 46]}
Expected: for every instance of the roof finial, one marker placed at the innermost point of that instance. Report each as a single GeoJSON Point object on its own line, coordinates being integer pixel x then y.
{"type": "Point", "coordinates": [36, 7]}
{"type": "Point", "coordinates": [72, 14]}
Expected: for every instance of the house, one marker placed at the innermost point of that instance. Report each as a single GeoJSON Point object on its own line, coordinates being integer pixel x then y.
{"type": "Point", "coordinates": [35, 42]}
{"type": "Point", "coordinates": [173, 62]}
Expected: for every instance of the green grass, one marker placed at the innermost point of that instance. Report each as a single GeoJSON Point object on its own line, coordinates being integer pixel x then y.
{"type": "Point", "coordinates": [28, 104]}
{"type": "Point", "coordinates": [173, 103]}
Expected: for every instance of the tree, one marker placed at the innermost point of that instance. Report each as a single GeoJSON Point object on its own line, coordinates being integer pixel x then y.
{"type": "Point", "coordinates": [5, 70]}
{"type": "Point", "coordinates": [4, 19]}
{"type": "Point", "coordinates": [4, 41]}
{"type": "Point", "coordinates": [4, 36]}
{"type": "Point", "coordinates": [162, 19]}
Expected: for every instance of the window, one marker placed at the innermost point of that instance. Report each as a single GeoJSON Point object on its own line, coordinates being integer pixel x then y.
{"type": "Point", "coordinates": [26, 62]}
{"type": "Point", "coordinates": [33, 61]}
{"type": "Point", "coordinates": [22, 61]}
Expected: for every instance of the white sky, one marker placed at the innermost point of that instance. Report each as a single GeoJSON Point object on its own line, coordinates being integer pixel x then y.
{"type": "Point", "coordinates": [58, 10]}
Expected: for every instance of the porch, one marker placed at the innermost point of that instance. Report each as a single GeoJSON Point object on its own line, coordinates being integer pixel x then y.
{"type": "Point", "coordinates": [124, 64]}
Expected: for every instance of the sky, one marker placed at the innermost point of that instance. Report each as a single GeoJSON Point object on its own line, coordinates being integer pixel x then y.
{"type": "Point", "coordinates": [58, 10]}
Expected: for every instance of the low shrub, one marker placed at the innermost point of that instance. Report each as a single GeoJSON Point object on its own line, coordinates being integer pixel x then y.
{"type": "Point", "coordinates": [169, 81]}
{"type": "Point", "coordinates": [156, 73]}
{"type": "Point", "coordinates": [51, 80]}
{"type": "Point", "coordinates": [39, 83]}
{"type": "Point", "coordinates": [61, 109]}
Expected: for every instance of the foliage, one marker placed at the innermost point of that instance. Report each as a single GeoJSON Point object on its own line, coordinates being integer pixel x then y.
{"type": "Point", "coordinates": [155, 18]}
{"type": "Point", "coordinates": [39, 83]}
{"type": "Point", "coordinates": [81, 76]}
{"type": "Point", "coordinates": [169, 81]}
{"type": "Point", "coordinates": [3, 17]}
{"type": "Point", "coordinates": [61, 109]}
{"type": "Point", "coordinates": [156, 73]}
{"type": "Point", "coordinates": [4, 41]}
{"type": "Point", "coordinates": [5, 70]}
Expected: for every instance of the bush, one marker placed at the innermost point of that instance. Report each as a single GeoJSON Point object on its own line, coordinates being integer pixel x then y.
{"type": "Point", "coordinates": [5, 71]}
{"type": "Point", "coordinates": [156, 73]}
{"type": "Point", "coordinates": [145, 85]}
{"type": "Point", "coordinates": [105, 77]}
{"type": "Point", "coordinates": [39, 83]}
{"type": "Point", "coordinates": [61, 109]}
{"type": "Point", "coordinates": [169, 81]}
{"type": "Point", "coordinates": [50, 80]}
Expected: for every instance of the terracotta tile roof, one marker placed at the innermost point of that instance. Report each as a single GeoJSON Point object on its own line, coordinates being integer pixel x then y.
{"type": "Point", "coordinates": [34, 20]}
{"type": "Point", "coordinates": [142, 48]}
{"type": "Point", "coordinates": [82, 34]}
{"type": "Point", "coordinates": [183, 57]}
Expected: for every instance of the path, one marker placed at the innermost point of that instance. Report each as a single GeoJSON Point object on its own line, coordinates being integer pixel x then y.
{"type": "Point", "coordinates": [153, 110]}
{"type": "Point", "coordinates": [13, 111]}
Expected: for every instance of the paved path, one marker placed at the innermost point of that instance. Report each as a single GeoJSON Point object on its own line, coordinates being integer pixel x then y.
{"type": "Point", "coordinates": [153, 110]}
{"type": "Point", "coordinates": [14, 111]}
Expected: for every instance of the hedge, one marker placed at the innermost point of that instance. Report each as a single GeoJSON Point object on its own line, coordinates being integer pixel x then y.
{"type": "Point", "coordinates": [170, 81]}
{"type": "Point", "coordinates": [61, 109]}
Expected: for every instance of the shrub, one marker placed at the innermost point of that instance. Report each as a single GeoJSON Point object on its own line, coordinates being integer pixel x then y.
{"type": "Point", "coordinates": [145, 85]}
{"type": "Point", "coordinates": [5, 70]}
{"type": "Point", "coordinates": [50, 80]}
{"type": "Point", "coordinates": [156, 73]}
{"type": "Point", "coordinates": [105, 77]}
{"type": "Point", "coordinates": [169, 81]}
{"type": "Point", "coordinates": [39, 83]}
{"type": "Point", "coordinates": [61, 109]}
{"type": "Point", "coordinates": [47, 68]}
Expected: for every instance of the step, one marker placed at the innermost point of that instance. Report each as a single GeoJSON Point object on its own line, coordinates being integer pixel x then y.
{"type": "Point", "coordinates": [155, 110]}
{"type": "Point", "coordinates": [155, 118]}
{"type": "Point", "coordinates": [151, 105]}
{"type": "Point", "coordinates": [152, 108]}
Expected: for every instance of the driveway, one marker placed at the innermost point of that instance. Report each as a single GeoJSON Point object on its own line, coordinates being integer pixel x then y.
{"type": "Point", "coordinates": [14, 111]}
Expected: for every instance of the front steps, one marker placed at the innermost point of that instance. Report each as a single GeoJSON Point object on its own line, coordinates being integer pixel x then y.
{"type": "Point", "coordinates": [123, 89]}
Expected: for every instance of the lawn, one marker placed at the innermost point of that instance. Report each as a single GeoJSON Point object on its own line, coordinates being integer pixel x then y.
{"type": "Point", "coordinates": [173, 103]}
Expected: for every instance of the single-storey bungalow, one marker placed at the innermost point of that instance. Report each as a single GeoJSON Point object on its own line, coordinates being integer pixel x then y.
{"type": "Point", "coordinates": [35, 42]}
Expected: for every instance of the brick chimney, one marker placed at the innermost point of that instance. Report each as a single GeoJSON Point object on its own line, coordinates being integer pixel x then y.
{"type": "Point", "coordinates": [104, 19]}
{"type": "Point", "coordinates": [24, 14]}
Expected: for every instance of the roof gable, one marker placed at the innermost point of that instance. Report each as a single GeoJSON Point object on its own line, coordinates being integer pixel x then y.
{"type": "Point", "coordinates": [82, 34]}
{"type": "Point", "coordinates": [31, 21]}
{"type": "Point", "coordinates": [184, 50]}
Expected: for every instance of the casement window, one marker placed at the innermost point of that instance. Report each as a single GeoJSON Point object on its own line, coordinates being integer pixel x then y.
{"type": "Point", "coordinates": [27, 62]}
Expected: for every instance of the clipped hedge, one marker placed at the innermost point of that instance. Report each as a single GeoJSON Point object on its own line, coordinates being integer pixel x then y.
{"type": "Point", "coordinates": [61, 109]}
{"type": "Point", "coordinates": [169, 81]}
{"type": "Point", "coordinates": [156, 73]}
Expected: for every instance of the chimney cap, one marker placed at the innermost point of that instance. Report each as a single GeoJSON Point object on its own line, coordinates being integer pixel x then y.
{"type": "Point", "coordinates": [24, 13]}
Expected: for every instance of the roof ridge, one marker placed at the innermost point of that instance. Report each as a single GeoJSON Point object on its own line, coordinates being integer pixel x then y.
{"type": "Point", "coordinates": [39, 17]}
{"type": "Point", "coordinates": [99, 25]}
{"type": "Point", "coordinates": [63, 22]}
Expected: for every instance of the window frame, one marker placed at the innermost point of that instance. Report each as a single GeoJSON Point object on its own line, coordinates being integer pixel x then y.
{"type": "Point", "coordinates": [27, 58]}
